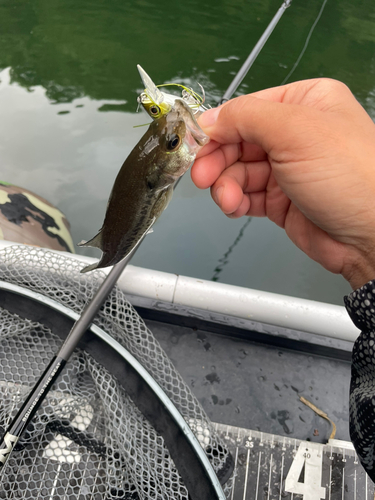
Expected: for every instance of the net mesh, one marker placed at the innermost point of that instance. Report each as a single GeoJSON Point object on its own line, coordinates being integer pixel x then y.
{"type": "Point", "coordinates": [88, 439]}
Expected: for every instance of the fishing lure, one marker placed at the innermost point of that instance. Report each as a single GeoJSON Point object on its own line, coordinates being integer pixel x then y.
{"type": "Point", "coordinates": [158, 103]}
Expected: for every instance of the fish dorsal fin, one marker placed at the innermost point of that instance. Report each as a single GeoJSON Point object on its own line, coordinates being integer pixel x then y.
{"type": "Point", "coordinates": [95, 242]}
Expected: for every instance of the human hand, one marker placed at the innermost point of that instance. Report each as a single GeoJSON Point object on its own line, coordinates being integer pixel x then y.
{"type": "Point", "coordinates": [304, 156]}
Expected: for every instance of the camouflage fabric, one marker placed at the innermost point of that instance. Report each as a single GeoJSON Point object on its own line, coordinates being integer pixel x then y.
{"type": "Point", "coordinates": [27, 218]}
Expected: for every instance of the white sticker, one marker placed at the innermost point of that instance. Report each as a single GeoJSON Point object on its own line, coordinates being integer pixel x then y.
{"type": "Point", "coordinates": [308, 456]}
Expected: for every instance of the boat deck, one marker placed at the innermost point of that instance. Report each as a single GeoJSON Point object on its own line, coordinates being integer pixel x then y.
{"type": "Point", "coordinates": [250, 384]}
{"type": "Point", "coordinates": [248, 380]}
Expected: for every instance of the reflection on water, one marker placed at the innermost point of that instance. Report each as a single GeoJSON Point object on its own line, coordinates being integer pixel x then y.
{"type": "Point", "coordinates": [68, 153]}
{"type": "Point", "coordinates": [68, 99]}
{"type": "Point", "coordinates": [224, 260]}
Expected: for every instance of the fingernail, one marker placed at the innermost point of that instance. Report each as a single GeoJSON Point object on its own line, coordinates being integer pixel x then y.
{"type": "Point", "coordinates": [218, 195]}
{"type": "Point", "coordinates": [209, 117]}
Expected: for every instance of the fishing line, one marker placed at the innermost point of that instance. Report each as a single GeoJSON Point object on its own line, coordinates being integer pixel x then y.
{"type": "Point", "coordinates": [306, 43]}
{"type": "Point", "coordinates": [199, 98]}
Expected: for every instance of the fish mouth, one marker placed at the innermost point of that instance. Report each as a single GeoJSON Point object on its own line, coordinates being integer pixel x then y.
{"type": "Point", "coordinates": [199, 136]}
{"type": "Point", "coordinates": [192, 127]}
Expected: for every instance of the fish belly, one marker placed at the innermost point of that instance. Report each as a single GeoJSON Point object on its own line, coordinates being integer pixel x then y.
{"type": "Point", "coordinates": [148, 213]}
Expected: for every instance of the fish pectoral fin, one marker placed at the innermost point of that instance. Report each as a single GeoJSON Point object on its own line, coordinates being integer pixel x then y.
{"type": "Point", "coordinates": [163, 200]}
{"type": "Point", "coordinates": [156, 181]}
{"type": "Point", "coordinates": [152, 180]}
{"type": "Point", "coordinates": [95, 242]}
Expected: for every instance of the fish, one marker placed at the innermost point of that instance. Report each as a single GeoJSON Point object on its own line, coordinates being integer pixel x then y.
{"type": "Point", "coordinates": [145, 183]}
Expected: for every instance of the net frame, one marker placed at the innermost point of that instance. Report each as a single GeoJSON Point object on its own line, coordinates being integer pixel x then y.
{"type": "Point", "coordinates": [58, 276]}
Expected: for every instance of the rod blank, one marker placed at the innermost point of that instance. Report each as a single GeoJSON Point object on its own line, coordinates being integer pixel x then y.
{"type": "Point", "coordinates": [254, 53]}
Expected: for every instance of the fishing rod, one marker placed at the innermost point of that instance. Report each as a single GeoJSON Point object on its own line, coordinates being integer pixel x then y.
{"type": "Point", "coordinates": [58, 362]}
{"type": "Point", "coordinates": [254, 53]}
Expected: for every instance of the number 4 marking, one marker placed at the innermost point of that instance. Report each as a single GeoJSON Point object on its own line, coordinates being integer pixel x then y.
{"type": "Point", "coordinates": [310, 456]}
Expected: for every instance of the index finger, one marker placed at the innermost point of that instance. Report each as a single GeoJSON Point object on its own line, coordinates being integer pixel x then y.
{"type": "Point", "coordinates": [251, 119]}
{"type": "Point", "coordinates": [270, 118]}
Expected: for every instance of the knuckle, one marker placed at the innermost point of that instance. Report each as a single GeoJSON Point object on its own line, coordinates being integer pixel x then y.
{"type": "Point", "coordinates": [236, 106]}
{"type": "Point", "coordinates": [330, 84]}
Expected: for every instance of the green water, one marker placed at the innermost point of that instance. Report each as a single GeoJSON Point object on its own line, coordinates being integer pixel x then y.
{"type": "Point", "coordinates": [68, 99]}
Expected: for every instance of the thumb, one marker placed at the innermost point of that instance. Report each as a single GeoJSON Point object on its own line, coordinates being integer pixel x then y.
{"type": "Point", "coordinates": [256, 121]}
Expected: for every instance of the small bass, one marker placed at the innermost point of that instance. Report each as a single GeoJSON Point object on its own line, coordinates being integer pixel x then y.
{"type": "Point", "coordinates": [144, 185]}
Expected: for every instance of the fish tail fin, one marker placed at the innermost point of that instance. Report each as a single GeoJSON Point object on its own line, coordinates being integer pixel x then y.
{"type": "Point", "coordinates": [95, 242]}
{"type": "Point", "coordinates": [91, 267]}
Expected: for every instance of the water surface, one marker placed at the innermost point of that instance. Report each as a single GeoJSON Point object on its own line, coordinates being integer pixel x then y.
{"type": "Point", "coordinates": [68, 99]}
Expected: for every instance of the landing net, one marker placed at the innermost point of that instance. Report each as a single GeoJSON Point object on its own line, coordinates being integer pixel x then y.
{"type": "Point", "coordinates": [88, 440]}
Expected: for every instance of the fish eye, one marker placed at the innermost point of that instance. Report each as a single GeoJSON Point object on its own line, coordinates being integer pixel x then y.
{"type": "Point", "coordinates": [173, 142]}
{"type": "Point", "coordinates": [154, 110]}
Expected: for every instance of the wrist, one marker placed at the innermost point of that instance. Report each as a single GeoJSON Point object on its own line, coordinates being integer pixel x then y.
{"type": "Point", "coordinates": [360, 270]}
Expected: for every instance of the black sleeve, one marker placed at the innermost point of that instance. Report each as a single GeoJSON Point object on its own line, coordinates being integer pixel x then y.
{"type": "Point", "coordinates": [360, 305]}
